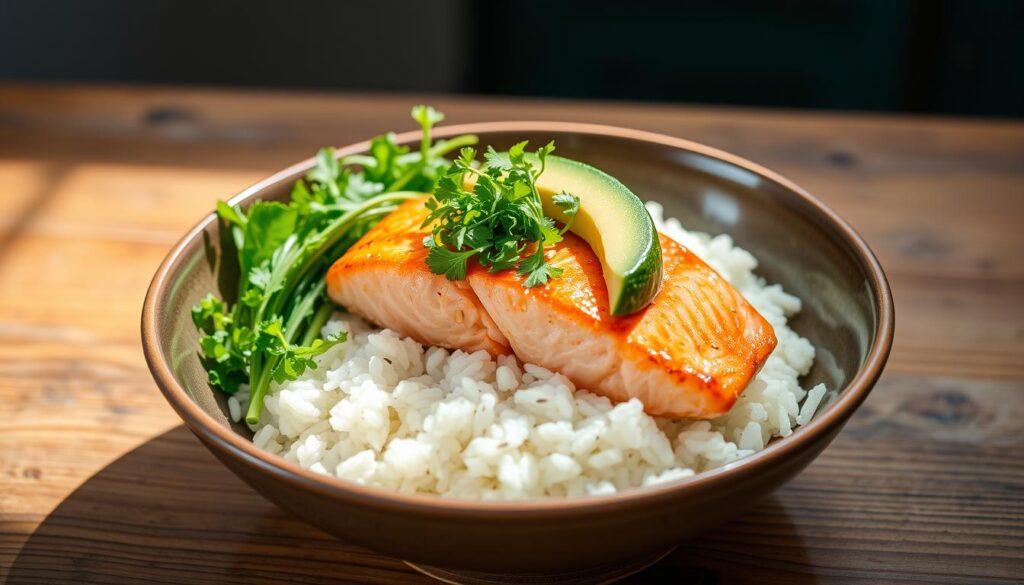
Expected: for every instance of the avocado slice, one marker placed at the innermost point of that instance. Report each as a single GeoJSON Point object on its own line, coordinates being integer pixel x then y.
{"type": "Point", "coordinates": [616, 225]}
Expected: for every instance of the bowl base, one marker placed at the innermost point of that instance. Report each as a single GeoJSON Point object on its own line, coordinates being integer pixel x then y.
{"type": "Point", "coordinates": [600, 574]}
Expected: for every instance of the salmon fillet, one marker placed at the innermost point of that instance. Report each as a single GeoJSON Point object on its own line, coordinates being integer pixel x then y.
{"type": "Point", "coordinates": [689, 353]}
{"type": "Point", "coordinates": [384, 278]}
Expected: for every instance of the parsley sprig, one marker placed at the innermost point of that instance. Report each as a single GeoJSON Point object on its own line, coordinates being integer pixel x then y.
{"type": "Point", "coordinates": [272, 330]}
{"type": "Point", "coordinates": [495, 214]}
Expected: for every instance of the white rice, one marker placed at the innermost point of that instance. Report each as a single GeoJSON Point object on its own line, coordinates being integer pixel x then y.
{"type": "Point", "coordinates": [385, 411]}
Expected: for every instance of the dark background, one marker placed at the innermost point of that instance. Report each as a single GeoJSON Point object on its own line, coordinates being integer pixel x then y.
{"type": "Point", "coordinates": [926, 56]}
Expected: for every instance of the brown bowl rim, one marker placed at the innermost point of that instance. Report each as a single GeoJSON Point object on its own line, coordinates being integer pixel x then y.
{"type": "Point", "coordinates": [212, 432]}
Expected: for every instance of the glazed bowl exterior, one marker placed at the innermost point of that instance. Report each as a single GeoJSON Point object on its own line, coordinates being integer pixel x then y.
{"type": "Point", "coordinates": [800, 243]}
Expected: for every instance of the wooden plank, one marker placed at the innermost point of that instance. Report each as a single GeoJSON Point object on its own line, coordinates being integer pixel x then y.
{"type": "Point", "coordinates": [138, 514]}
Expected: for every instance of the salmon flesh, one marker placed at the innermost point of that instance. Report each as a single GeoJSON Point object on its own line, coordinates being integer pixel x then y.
{"type": "Point", "coordinates": [689, 353]}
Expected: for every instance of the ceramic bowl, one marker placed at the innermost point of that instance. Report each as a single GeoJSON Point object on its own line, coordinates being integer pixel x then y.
{"type": "Point", "coordinates": [800, 243]}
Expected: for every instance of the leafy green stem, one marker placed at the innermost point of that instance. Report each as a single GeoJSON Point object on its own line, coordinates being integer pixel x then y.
{"type": "Point", "coordinates": [319, 320]}
{"type": "Point", "coordinates": [331, 234]}
{"type": "Point", "coordinates": [271, 332]}
{"type": "Point", "coordinates": [444, 147]}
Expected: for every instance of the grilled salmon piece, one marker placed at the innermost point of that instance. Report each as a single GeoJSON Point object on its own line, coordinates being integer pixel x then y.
{"type": "Point", "coordinates": [689, 353]}
{"type": "Point", "coordinates": [384, 278]}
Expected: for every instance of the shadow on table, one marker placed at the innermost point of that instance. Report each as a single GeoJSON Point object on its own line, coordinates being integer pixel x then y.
{"type": "Point", "coordinates": [168, 512]}
{"type": "Point", "coordinates": [762, 546]}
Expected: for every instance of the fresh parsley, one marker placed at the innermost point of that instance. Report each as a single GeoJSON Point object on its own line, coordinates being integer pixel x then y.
{"type": "Point", "coordinates": [272, 330]}
{"type": "Point", "coordinates": [495, 214]}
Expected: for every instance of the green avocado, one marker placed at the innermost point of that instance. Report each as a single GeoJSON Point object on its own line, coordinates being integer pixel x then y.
{"type": "Point", "coordinates": [616, 225]}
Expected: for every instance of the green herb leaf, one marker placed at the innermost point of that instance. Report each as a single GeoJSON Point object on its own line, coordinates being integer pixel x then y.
{"type": "Point", "coordinates": [269, 225]}
{"type": "Point", "coordinates": [426, 115]}
{"type": "Point", "coordinates": [497, 218]}
{"type": "Point", "coordinates": [452, 265]}
{"type": "Point", "coordinates": [230, 214]}
{"type": "Point", "coordinates": [569, 204]}
{"type": "Point", "coordinates": [542, 155]}
{"type": "Point", "coordinates": [497, 160]}
{"type": "Point", "coordinates": [386, 154]}
{"type": "Point", "coordinates": [537, 269]}
{"type": "Point", "coordinates": [210, 314]}
{"type": "Point", "coordinates": [326, 171]}
{"type": "Point", "coordinates": [295, 360]}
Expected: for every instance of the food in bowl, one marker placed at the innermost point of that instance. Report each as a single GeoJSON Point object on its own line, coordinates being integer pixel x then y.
{"type": "Point", "coordinates": [569, 271]}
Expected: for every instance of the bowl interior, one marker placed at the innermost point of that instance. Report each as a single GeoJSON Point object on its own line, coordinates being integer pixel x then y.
{"type": "Point", "coordinates": [794, 242]}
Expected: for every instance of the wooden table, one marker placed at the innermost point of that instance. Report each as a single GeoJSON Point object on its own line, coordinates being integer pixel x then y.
{"type": "Point", "coordinates": [99, 482]}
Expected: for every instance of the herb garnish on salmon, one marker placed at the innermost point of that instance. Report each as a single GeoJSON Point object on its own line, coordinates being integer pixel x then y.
{"type": "Point", "coordinates": [499, 219]}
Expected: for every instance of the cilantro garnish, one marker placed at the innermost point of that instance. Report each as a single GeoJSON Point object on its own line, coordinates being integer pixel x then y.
{"type": "Point", "coordinates": [499, 220]}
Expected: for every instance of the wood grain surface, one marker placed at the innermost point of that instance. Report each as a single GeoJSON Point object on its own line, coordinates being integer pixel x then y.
{"type": "Point", "coordinates": [99, 482]}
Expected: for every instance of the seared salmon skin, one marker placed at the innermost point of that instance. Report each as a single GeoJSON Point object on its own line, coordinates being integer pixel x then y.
{"type": "Point", "coordinates": [384, 278]}
{"type": "Point", "coordinates": [689, 353]}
